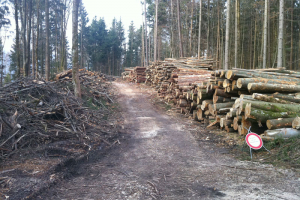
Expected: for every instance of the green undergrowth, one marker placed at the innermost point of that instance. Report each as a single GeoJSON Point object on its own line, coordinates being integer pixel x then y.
{"type": "Point", "coordinates": [284, 152]}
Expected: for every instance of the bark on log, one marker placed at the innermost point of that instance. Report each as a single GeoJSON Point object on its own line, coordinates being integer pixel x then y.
{"type": "Point", "coordinates": [264, 115]}
{"type": "Point", "coordinates": [217, 106]}
{"type": "Point", "coordinates": [274, 107]}
{"type": "Point", "coordinates": [286, 97]}
{"type": "Point", "coordinates": [270, 88]}
{"type": "Point", "coordinates": [264, 97]}
{"type": "Point", "coordinates": [243, 82]}
{"type": "Point", "coordinates": [279, 123]}
{"type": "Point", "coordinates": [222, 93]}
{"type": "Point", "coordinates": [282, 133]}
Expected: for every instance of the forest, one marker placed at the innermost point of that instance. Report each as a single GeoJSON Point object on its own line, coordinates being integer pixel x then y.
{"type": "Point", "coordinates": [236, 34]}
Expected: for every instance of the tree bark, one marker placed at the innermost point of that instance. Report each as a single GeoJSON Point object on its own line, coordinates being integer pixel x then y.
{"type": "Point", "coordinates": [179, 30]}
{"type": "Point", "coordinates": [264, 115]}
{"type": "Point", "coordinates": [243, 82]}
{"type": "Point", "coordinates": [24, 35]}
{"type": "Point", "coordinates": [27, 63]}
{"type": "Point", "coordinates": [37, 39]}
{"type": "Point", "coordinates": [265, 33]}
{"type": "Point", "coordinates": [227, 36]}
{"type": "Point", "coordinates": [191, 29]}
{"type": "Point", "coordinates": [279, 123]}
{"type": "Point", "coordinates": [280, 34]}
{"type": "Point", "coordinates": [75, 75]}
{"type": "Point", "coordinates": [199, 34]}
{"type": "Point", "coordinates": [155, 30]}
{"type": "Point", "coordinates": [146, 44]}
{"type": "Point", "coordinates": [264, 97]}
{"type": "Point", "coordinates": [17, 38]}
{"type": "Point", "coordinates": [237, 34]}
{"type": "Point", "coordinates": [47, 48]}
{"type": "Point", "coordinates": [265, 87]}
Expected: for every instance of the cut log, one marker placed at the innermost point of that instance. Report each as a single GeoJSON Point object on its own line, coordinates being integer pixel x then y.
{"type": "Point", "coordinates": [264, 115]}
{"type": "Point", "coordinates": [199, 114]}
{"type": "Point", "coordinates": [271, 88]}
{"type": "Point", "coordinates": [273, 107]}
{"type": "Point", "coordinates": [236, 122]}
{"type": "Point", "coordinates": [282, 133]}
{"type": "Point", "coordinates": [195, 117]}
{"type": "Point", "coordinates": [222, 93]}
{"type": "Point", "coordinates": [296, 123]}
{"type": "Point", "coordinates": [286, 97]}
{"type": "Point", "coordinates": [205, 104]}
{"type": "Point", "coordinates": [279, 123]}
{"type": "Point", "coordinates": [243, 82]}
{"type": "Point", "coordinates": [218, 106]}
{"type": "Point", "coordinates": [182, 103]}
{"type": "Point", "coordinates": [264, 97]}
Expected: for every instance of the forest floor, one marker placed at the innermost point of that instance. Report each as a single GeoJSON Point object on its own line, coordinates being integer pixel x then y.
{"type": "Point", "coordinates": [166, 156]}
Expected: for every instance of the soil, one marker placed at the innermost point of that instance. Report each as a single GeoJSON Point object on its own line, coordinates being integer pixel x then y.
{"type": "Point", "coordinates": [158, 157]}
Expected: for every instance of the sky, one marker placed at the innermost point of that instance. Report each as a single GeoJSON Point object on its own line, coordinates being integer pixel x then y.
{"type": "Point", "coordinates": [126, 10]}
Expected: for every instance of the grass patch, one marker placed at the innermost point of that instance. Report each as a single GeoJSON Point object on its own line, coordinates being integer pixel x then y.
{"type": "Point", "coordinates": [284, 152]}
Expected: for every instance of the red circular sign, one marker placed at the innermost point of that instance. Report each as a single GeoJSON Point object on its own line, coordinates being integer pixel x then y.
{"type": "Point", "coordinates": [254, 141]}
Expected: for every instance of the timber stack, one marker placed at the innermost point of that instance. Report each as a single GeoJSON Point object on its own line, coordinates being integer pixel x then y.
{"type": "Point", "coordinates": [267, 100]}
{"type": "Point", "coordinates": [136, 74]}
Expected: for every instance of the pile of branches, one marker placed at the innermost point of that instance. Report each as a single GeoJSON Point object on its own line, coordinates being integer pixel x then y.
{"type": "Point", "coordinates": [36, 113]}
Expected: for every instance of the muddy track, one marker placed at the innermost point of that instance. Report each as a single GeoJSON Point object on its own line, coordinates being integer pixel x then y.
{"type": "Point", "coordinates": [158, 158]}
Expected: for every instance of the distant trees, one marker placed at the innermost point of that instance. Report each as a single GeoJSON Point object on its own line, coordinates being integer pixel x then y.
{"type": "Point", "coordinates": [241, 33]}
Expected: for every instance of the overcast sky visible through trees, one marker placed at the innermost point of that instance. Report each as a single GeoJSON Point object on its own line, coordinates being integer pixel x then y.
{"type": "Point", "coordinates": [127, 10]}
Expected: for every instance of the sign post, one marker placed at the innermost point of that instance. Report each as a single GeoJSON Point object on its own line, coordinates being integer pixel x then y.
{"type": "Point", "coordinates": [254, 141]}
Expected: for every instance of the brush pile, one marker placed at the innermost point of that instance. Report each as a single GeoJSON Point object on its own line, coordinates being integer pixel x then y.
{"type": "Point", "coordinates": [37, 113]}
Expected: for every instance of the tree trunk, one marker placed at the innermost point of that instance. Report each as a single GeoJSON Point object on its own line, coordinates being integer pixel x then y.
{"type": "Point", "coordinates": [33, 49]}
{"type": "Point", "coordinates": [24, 35]}
{"type": "Point", "coordinates": [155, 31]}
{"type": "Point", "coordinates": [47, 51]}
{"type": "Point", "coordinates": [27, 64]}
{"type": "Point", "coordinates": [179, 30]}
{"type": "Point", "coordinates": [280, 34]}
{"type": "Point", "coordinates": [279, 123]}
{"type": "Point", "coordinates": [292, 18]}
{"type": "Point", "coordinates": [207, 30]}
{"type": "Point", "coordinates": [237, 34]}
{"type": "Point", "coordinates": [37, 38]}
{"type": "Point", "coordinates": [17, 38]}
{"type": "Point", "coordinates": [265, 34]}
{"type": "Point", "coordinates": [146, 45]}
{"type": "Point", "coordinates": [191, 29]}
{"type": "Point", "coordinates": [75, 75]}
{"type": "Point", "coordinates": [199, 34]}
{"type": "Point", "coordinates": [227, 36]}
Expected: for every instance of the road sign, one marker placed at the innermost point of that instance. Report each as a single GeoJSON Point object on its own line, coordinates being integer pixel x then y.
{"type": "Point", "coordinates": [254, 141]}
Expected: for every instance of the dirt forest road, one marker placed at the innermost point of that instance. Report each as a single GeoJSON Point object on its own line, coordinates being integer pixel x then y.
{"type": "Point", "coordinates": [160, 159]}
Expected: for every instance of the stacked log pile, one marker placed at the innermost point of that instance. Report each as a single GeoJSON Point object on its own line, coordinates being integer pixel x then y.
{"type": "Point", "coordinates": [136, 74]}
{"type": "Point", "coordinates": [266, 100]}
{"type": "Point", "coordinates": [178, 81]}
